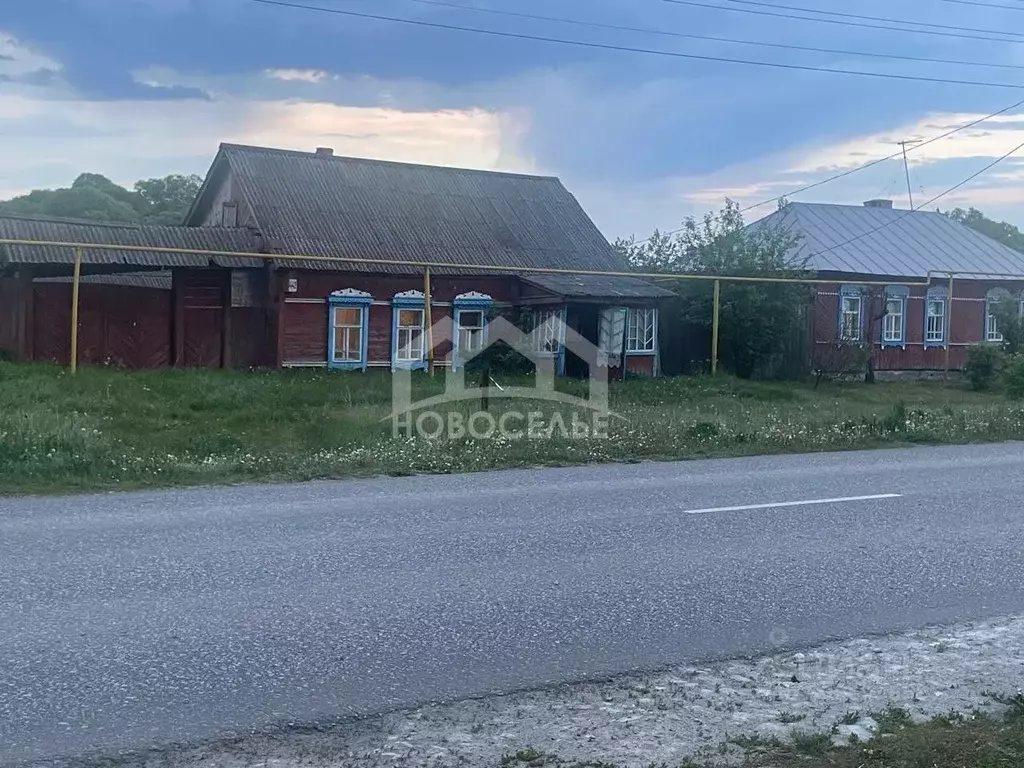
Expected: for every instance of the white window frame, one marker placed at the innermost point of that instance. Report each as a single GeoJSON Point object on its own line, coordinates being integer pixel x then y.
{"type": "Point", "coordinates": [469, 303]}
{"type": "Point", "coordinates": [350, 331]}
{"type": "Point", "coordinates": [548, 330]}
{"type": "Point", "coordinates": [933, 338]}
{"type": "Point", "coordinates": [894, 324]}
{"type": "Point", "coordinates": [348, 299]}
{"type": "Point", "coordinates": [993, 297]}
{"type": "Point", "coordinates": [471, 338]}
{"type": "Point", "coordinates": [642, 331]}
{"type": "Point", "coordinates": [859, 299]}
{"type": "Point", "coordinates": [404, 354]}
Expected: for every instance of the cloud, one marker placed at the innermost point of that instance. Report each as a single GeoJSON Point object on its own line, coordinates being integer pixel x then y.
{"type": "Point", "coordinates": [999, 135]}
{"type": "Point", "coordinates": [53, 134]}
{"type": "Point", "coordinates": [18, 61]}
{"type": "Point", "coordinates": [297, 75]}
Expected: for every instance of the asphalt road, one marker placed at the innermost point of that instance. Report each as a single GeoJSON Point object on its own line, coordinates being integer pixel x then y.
{"type": "Point", "coordinates": [138, 618]}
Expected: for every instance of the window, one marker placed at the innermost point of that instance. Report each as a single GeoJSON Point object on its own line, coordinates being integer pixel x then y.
{"type": "Point", "coordinates": [935, 321]}
{"type": "Point", "coordinates": [408, 334]}
{"type": "Point", "coordinates": [348, 318]}
{"type": "Point", "coordinates": [893, 326]}
{"type": "Point", "coordinates": [992, 300]}
{"type": "Point", "coordinates": [348, 334]}
{"type": "Point", "coordinates": [992, 326]}
{"type": "Point", "coordinates": [894, 320]}
{"type": "Point", "coordinates": [641, 331]}
{"type": "Point", "coordinates": [850, 317]}
{"type": "Point", "coordinates": [469, 332]}
{"type": "Point", "coordinates": [611, 336]}
{"type": "Point", "coordinates": [548, 330]}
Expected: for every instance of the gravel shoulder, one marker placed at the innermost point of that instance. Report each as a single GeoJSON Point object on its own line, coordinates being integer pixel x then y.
{"type": "Point", "coordinates": [663, 717]}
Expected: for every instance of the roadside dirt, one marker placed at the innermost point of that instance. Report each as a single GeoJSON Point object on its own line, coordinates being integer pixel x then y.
{"type": "Point", "coordinates": [665, 717]}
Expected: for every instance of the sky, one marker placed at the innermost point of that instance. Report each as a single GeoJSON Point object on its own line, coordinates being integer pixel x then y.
{"type": "Point", "coordinates": [142, 88]}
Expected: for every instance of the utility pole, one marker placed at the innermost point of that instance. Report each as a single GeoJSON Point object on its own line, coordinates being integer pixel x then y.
{"type": "Point", "coordinates": [906, 167]}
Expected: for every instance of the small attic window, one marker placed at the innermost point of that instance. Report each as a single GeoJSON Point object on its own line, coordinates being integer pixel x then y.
{"type": "Point", "coordinates": [229, 215]}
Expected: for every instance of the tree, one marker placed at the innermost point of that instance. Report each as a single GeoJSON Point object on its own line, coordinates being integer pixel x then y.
{"type": "Point", "coordinates": [1006, 310]}
{"type": "Point", "coordinates": [1005, 233]}
{"type": "Point", "coordinates": [96, 198]}
{"type": "Point", "coordinates": [168, 199]}
{"type": "Point", "coordinates": [755, 319]}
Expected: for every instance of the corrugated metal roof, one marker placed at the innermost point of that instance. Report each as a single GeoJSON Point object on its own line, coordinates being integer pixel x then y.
{"type": "Point", "coordinates": [598, 286]}
{"type": "Point", "coordinates": [160, 279]}
{"type": "Point", "coordinates": [358, 208]}
{"type": "Point", "coordinates": [889, 242]}
{"type": "Point", "coordinates": [16, 227]}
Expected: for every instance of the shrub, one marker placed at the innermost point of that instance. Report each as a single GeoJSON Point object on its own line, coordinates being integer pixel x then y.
{"type": "Point", "coordinates": [1013, 377]}
{"type": "Point", "coordinates": [7, 355]}
{"type": "Point", "coordinates": [984, 363]}
{"type": "Point", "coordinates": [842, 361]}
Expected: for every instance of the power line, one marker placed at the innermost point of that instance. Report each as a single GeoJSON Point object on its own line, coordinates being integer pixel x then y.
{"type": "Point", "coordinates": [630, 49]}
{"type": "Point", "coordinates": [711, 38]}
{"type": "Point", "coordinates": [986, 5]}
{"type": "Point", "coordinates": [863, 167]}
{"type": "Point", "coordinates": [841, 22]}
{"type": "Point", "coordinates": [885, 19]}
{"type": "Point", "coordinates": [937, 197]}
{"type": "Point", "coordinates": [893, 156]}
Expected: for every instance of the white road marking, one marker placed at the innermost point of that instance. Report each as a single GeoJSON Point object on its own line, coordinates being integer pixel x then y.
{"type": "Point", "coordinates": [806, 503]}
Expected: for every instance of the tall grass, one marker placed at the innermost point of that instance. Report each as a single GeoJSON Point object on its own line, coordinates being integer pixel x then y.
{"type": "Point", "coordinates": [107, 429]}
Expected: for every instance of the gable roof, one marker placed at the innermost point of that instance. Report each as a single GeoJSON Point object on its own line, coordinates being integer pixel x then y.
{"type": "Point", "coordinates": [326, 205]}
{"type": "Point", "coordinates": [890, 242]}
{"type": "Point", "coordinates": [21, 227]}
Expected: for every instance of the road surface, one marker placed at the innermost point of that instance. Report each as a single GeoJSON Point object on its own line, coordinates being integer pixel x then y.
{"type": "Point", "coordinates": [133, 619]}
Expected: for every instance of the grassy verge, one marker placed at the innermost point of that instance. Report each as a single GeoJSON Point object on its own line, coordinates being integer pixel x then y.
{"type": "Point", "coordinates": [108, 429]}
{"type": "Point", "coordinates": [976, 740]}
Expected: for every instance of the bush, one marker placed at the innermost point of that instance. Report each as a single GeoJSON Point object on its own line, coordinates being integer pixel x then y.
{"type": "Point", "coordinates": [1013, 377]}
{"type": "Point", "coordinates": [984, 364]}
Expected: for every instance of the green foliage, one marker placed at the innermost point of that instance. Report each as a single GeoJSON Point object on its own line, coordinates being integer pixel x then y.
{"type": "Point", "coordinates": [1005, 233]}
{"type": "Point", "coordinates": [96, 198]}
{"type": "Point", "coordinates": [1013, 377]}
{"type": "Point", "coordinates": [168, 199]}
{"type": "Point", "coordinates": [1006, 310]}
{"type": "Point", "coordinates": [105, 429]}
{"type": "Point", "coordinates": [984, 364]}
{"type": "Point", "coordinates": [500, 357]}
{"type": "Point", "coordinates": [756, 319]}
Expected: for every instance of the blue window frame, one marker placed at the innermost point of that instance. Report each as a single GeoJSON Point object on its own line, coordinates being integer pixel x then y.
{"type": "Point", "coordinates": [850, 320]}
{"type": "Point", "coordinates": [894, 319]}
{"type": "Point", "coordinates": [642, 331]}
{"type": "Point", "coordinates": [936, 317]}
{"type": "Point", "coordinates": [470, 329]}
{"type": "Point", "coordinates": [348, 324]}
{"type": "Point", "coordinates": [408, 331]}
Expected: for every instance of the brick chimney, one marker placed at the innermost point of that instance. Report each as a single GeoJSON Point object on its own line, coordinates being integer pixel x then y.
{"type": "Point", "coordinates": [325, 152]}
{"type": "Point", "coordinates": [878, 203]}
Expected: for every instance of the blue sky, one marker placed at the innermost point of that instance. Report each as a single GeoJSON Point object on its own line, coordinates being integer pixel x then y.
{"type": "Point", "coordinates": [138, 88]}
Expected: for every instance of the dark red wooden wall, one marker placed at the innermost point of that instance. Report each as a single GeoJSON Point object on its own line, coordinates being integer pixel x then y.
{"type": "Point", "coordinates": [967, 327]}
{"type": "Point", "coordinates": [16, 315]}
{"type": "Point", "coordinates": [304, 318]}
{"type": "Point", "coordinates": [117, 325]}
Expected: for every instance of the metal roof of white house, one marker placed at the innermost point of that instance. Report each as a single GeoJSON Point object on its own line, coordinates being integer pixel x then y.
{"type": "Point", "coordinates": [867, 240]}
